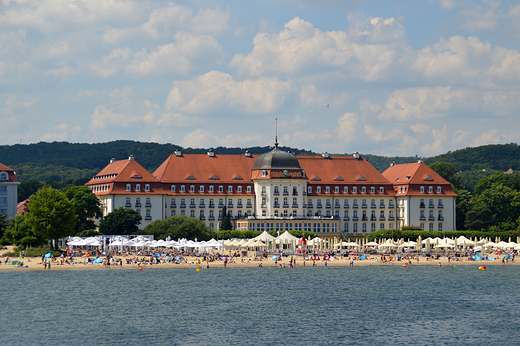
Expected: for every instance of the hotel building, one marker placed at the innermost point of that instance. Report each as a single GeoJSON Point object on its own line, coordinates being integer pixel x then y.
{"type": "Point", "coordinates": [329, 195]}
{"type": "Point", "coordinates": [8, 191]}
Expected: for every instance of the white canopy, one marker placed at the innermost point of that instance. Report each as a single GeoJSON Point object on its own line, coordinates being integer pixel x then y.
{"type": "Point", "coordinates": [264, 237]}
{"type": "Point", "coordinates": [287, 236]}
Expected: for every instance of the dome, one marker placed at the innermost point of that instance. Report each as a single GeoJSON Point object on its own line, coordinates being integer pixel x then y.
{"type": "Point", "coordinates": [277, 159]}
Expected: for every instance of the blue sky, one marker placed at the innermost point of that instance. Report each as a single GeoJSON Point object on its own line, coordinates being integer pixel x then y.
{"type": "Point", "coordinates": [384, 77]}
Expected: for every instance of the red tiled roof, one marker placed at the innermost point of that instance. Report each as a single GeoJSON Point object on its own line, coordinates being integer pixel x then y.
{"type": "Point", "coordinates": [21, 207]}
{"type": "Point", "coordinates": [415, 175]}
{"type": "Point", "coordinates": [200, 168]}
{"type": "Point", "coordinates": [127, 171]}
{"type": "Point", "coordinates": [10, 171]}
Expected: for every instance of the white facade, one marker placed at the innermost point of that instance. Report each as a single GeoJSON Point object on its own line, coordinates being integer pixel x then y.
{"type": "Point", "coordinates": [8, 193]}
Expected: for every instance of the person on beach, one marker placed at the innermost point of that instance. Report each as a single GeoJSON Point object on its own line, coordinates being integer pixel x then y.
{"type": "Point", "coordinates": [351, 262]}
{"type": "Point", "coordinates": [44, 265]}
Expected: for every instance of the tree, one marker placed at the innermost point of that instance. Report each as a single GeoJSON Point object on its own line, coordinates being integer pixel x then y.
{"type": "Point", "coordinates": [447, 171]}
{"type": "Point", "coordinates": [225, 224]}
{"type": "Point", "coordinates": [463, 204]}
{"type": "Point", "coordinates": [28, 188]}
{"type": "Point", "coordinates": [3, 224]}
{"type": "Point", "coordinates": [51, 215]}
{"type": "Point", "coordinates": [179, 226]}
{"type": "Point", "coordinates": [19, 232]}
{"type": "Point", "coordinates": [121, 222]}
{"type": "Point", "coordinates": [478, 217]}
{"type": "Point", "coordinates": [86, 206]}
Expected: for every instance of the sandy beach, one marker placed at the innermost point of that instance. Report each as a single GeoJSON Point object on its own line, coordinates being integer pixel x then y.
{"type": "Point", "coordinates": [35, 263]}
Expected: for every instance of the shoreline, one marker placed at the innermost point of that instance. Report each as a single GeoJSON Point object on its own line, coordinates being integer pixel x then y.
{"type": "Point", "coordinates": [33, 264]}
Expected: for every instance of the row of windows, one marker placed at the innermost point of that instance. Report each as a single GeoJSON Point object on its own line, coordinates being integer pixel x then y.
{"type": "Point", "coordinates": [211, 188]}
{"type": "Point", "coordinates": [430, 189]}
{"type": "Point", "coordinates": [337, 203]}
{"type": "Point", "coordinates": [211, 217]}
{"type": "Point", "coordinates": [137, 187]}
{"type": "Point", "coordinates": [105, 187]}
{"type": "Point", "coordinates": [355, 228]}
{"type": "Point", "coordinates": [431, 217]}
{"type": "Point", "coordinates": [430, 203]}
{"type": "Point", "coordinates": [431, 226]}
{"type": "Point", "coordinates": [3, 190]}
{"type": "Point", "coordinates": [202, 203]}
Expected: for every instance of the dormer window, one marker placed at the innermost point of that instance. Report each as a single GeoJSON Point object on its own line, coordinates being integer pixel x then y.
{"type": "Point", "coordinates": [183, 188]}
{"type": "Point", "coordinates": [336, 189]}
{"type": "Point", "coordinates": [201, 188]}
{"type": "Point", "coordinates": [264, 173]}
{"type": "Point", "coordinates": [327, 189]}
{"type": "Point", "coordinates": [192, 188]}
{"type": "Point", "coordinates": [381, 189]}
{"type": "Point", "coordinates": [221, 189]}
{"type": "Point", "coordinates": [211, 189]}
{"type": "Point", "coordinates": [239, 189]}
{"type": "Point", "coordinates": [249, 189]}
{"type": "Point", "coordinates": [439, 189]}
{"type": "Point", "coordinates": [318, 189]}
{"type": "Point", "coordinates": [354, 189]}
{"type": "Point", "coordinates": [128, 187]}
{"type": "Point", "coordinates": [147, 187]}
{"type": "Point", "coordinates": [363, 189]}
{"type": "Point", "coordinates": [4, 176]}
{"type": "Point", "coordinates": [421, 189]}
{"type": "Point", "coordinates": [230, 189]}
{"type": "Point", "coordinates": [345, 189]}
{"type": "Point", "coordinates": [137, 187]}
{"type": "Point", "coordinates": [430, 189]}
{"type": "Point", "coordinates": [309, 189]}
{"type": "Point", "coordinates": [172, 189]}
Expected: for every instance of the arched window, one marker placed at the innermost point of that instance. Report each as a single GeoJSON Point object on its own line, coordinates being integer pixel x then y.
{"type": "Point", "coordinates": [147, 187]}
{"type": "Point", "coordinates": [430, 189]}
{"type": "Point", "coordinates": [4, 176]}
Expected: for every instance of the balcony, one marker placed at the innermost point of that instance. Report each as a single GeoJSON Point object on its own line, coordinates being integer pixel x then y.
{"type": "Point", "coordinates": [183, 205]}
{"type": "Point", "coordinates": [212, 205]}
{"type": "Point", "coordinates": [382, 206]}
{"type": "Point", "coordinates": [286, 206]}
{"type": "Point", "coordinates": [355, 218]}
{"type": "Point", "coordinates": [440, 206]}
{"type": "Point", "coordinates": [390, 218]}
{"type": "Point", "coordinates": [373, 206]}
{"type": "Point", "coordinates": [221, 205]}
{"type": "Point", "coordinates": [337, 206]}
{"type": "Point", "coordinates": [440, 218]}
{"type": "Point", "coordinates": [355, 206]}
{"type": "Point", "coordinates": [310, 206]}
{"type": "Point", "coordinates": [295, 193]}
{"type": "Point", "coordinates": [276, 205]}
{"type": "Point", "coordinates": [230, 205]}
{"type": "Point", "coordinates": [192, 205]}
{"type": "Point", "coordinates": [391, 206]}
{"type": "Point", "coordinates": [346, 218]}
{"type": "Point", "coordinates": [431, 218]}
{"type": "Point", "coordinates": [431, 206]}
{"type": "Point", "coordinates": [137, 204]}
{"type": "Point", "coordinates": [240, 205]}
{"type": "Point", "coordinates": [263, 193]}
{"type": "Point", "coordinates": [328, 206]}
{"type": "Point", "coordinates": [346, 206]}
{"type": "Point", "coordinates": [319, 206]}
{"type": "Point", "coordinates": [373, 218]}
{"type": "Point", "coordinates": [128, 205]}
{"type": "Point", "coordinates": [422, 205]}
{"type": "Point", "coordinates": [202, 217]}
{"type": "Point", "coordinates": [202, 205]}
{"type": "Point", "coordinates": [249, 206]}
{"type": "Point", "coordinates": [211, 218]}
{"type": "Point", "coordinates": [382, 218]}
{"type": "Point", "coordinates": [263, 206]}
{"type": "Point", "coordinates": [147, 217]}
{"type": "Point", "coordinates": [276, 193]}
{"type": "Point", "coordinates": [364, 218]}
{"type": "Point", "coordinates": [295, 205]}
{"type": "Point", "coordinates": [364, 206]}
{"type": "Point", "coordinates": [422, 218]}
{"type": "Point", "coordinates": [285, 193]}
{"type": "Point", "coordinates": [173, 205]}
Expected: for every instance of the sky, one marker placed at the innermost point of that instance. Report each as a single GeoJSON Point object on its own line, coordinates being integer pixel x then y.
{"type": "Point", "coordinates": [398, 77]}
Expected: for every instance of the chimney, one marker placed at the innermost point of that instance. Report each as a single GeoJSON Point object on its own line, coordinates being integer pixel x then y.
{"type": "Point", "coordinates": [112, 160]}
{"type": "Point", "coordinates": [178, 153]}
{"type": "Point", "coordinates": [130, 158]}
{"type": "Point", "coordinates": [325, 155]}
{"type": "Point", "coordinates": [247, 154]}
{"type": "Point", "coordinates": [356, 155]}
{"type": "Point", "coordinates": [392, 164]}
{"type": "Point", "coordinates": [211, 153]}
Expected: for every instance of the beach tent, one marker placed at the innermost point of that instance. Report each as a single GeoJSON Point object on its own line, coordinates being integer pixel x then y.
{"type": "Point", "coordinates": [288, 237]}
{"type": "Point", "coordinates": [264, 237]}
{"type": "Point", "coordinates": [372, 244]}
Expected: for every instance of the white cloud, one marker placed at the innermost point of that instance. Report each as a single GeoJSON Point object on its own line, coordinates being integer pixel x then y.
{"type": "Point", "coordinates": [490, 137]}
{"type": "Point", "coordinates": [480, 17]}
{"type": "Point", "coordinates": [210, 21]}
{"type": "Point", "coordinates": [177, 119]}
{"type": "Point", "coordinates": [311, 97]}
{"type": "Point", "coordinates": [422, 103]}
{"type": "Point", "coordinates": [217, 91]}
{"type": "Point", "coordinates": [461, 137]}
{"type": "Point", "coordinates": [439, 138]}
{"type": "Point", "coordinates": [375, 29]}
{"type": "Point", "coordinates": [62, 134]}
{"type": "Point", "coordinates": [347, 127]}
{"type": "Point", "coordinates": [13, 106]}
{"type": "Point", "coordinates": [382, 134]}
{"type": "Point", "coordinates": [420, 128]}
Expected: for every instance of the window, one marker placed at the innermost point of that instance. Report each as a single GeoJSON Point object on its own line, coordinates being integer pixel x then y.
{"type": "Point", "coordinates": [211, 189]}
{"type": "Point", "coordinates": [148, 216]}
{"type": "Point", "coordinates": [336, 189]}
{"type": "Point", "coordinates": [201, 188]}
{"type": "Point", "coordinates": [230, 189]}
{"type": "Point", "coordinates": [147, 187]}
{"type": "Point", "coordinates": [172, 213]}
{"type": "Point", "coordinates": [372, 227]}
{"type": "Point", "coordinates": [248, 189]}
{"type": "Point", "coordinates": [192, 188]}
{"type": "Point", "coordinates": [276, 192]}
{"type": "Point", "coordinates": [381, 226]}
{"type": "Point", "coordinates": [137, 187]}
{"type": "Point", "coordinates": [439, 189]}
{"type": "Point", "coordinates": [264, 173]}
{"type": "Point", "coordinates": [372, 189]}
{"type": "Point", "coordinates": [172, 188]}
{"type": "Point", "coordinates": [183, 212]}
{"type": "Point", "coordinates": [327, 189]}
{"type": "Point", "coordinates": [318, 189]}
{"type": "Point", "coordinates": [422, 189]}
{"type": "Point", "coordinates": [422, 226]}
{"type": "Point", "coordinates": [345, 229]}
{"type": "Point", "coordinates": [355, 228]}
{"type": "Point", "coordinates": [3, 190]}
{"type": "Point", "coordinates": [285, 191]}
{"type": "Point", "coordinates": [439, 227]}
{"type": "Point", "coordinates": [263, 190]}
{"type": "Point", "coordinates": [363, 190]}
{"type": "Point", "coordinates": [431, 226]}
{"type": "Point", "coordinates": [364, 227]}
{"type": "Point", "coordinates": [221, 189]}
{"type": "Point", "coordinates": [239, 189]}
{"type": "Point", "coordinates": [354, 189]}
{"type": "Point", "coordinates": [192, 213]}
{"type": "Point", "coordinates": [430, 189]}
{"type": "Point", "coordinates": [345, 189]}
{"type": "Point", "coordinates": [128, 187]}
{"type": "Point", "coordinates": [4, 176]}
{"type": "Point", "coordinates": [309, 189]}
{"type": "Point", "coordinates": [381, 189]}
{"type": "Point", "coordinates": [183, 188]}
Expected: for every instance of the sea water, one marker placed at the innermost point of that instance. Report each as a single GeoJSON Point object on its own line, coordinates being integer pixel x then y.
{"type": "Point", "coordinates": [379, 305]}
